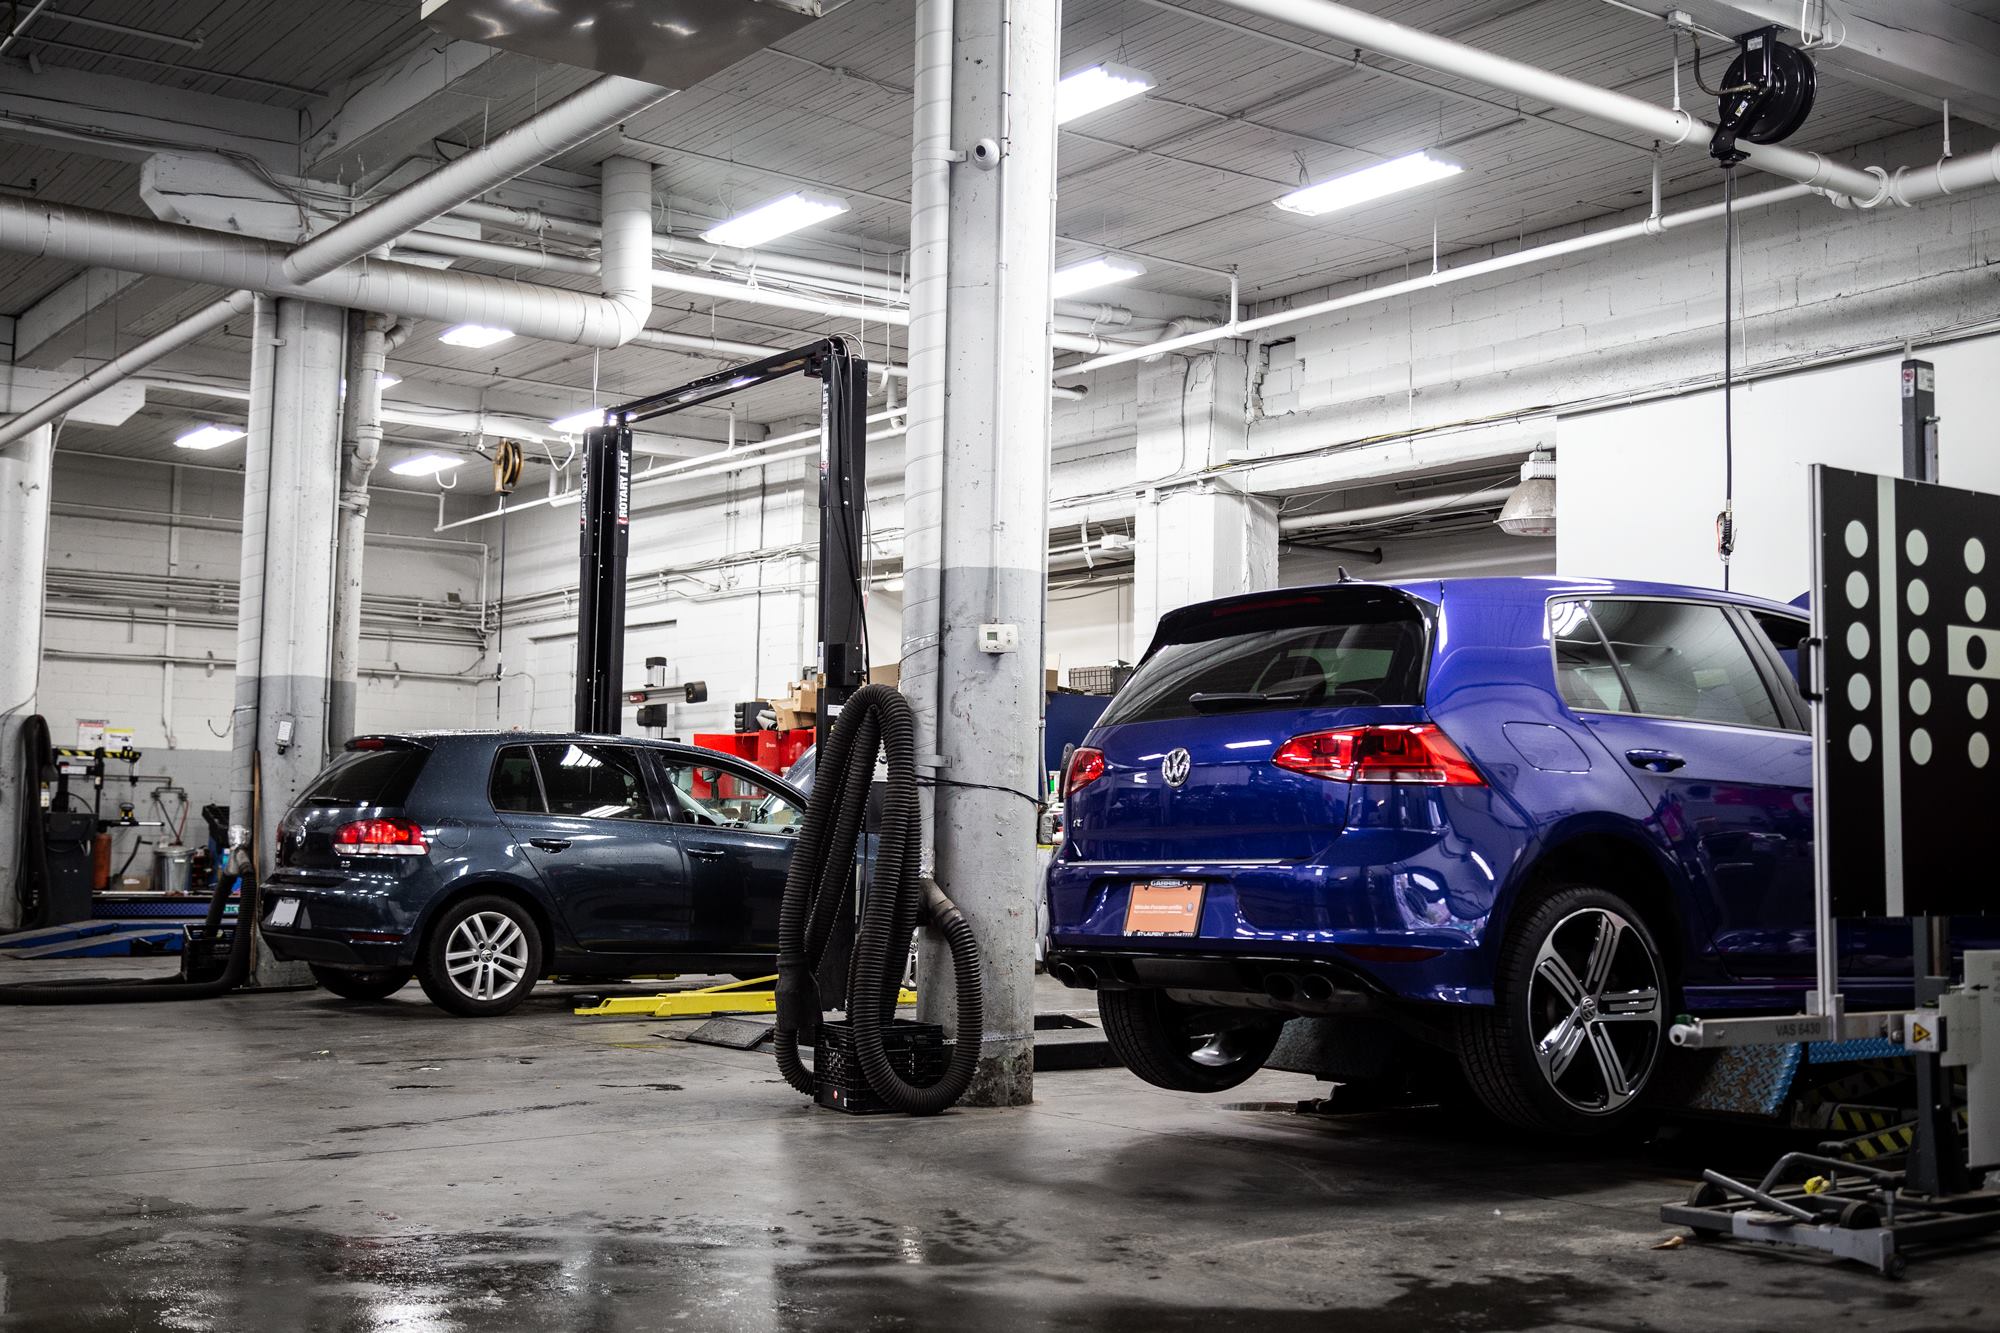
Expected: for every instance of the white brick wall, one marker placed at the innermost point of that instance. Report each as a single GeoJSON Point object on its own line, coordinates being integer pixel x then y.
{"type": "Point", "coordinates": [79, 681]}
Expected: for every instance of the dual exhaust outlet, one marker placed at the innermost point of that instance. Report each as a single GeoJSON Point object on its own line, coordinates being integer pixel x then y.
{"type": "Point", "coordinates": [1284, 987]}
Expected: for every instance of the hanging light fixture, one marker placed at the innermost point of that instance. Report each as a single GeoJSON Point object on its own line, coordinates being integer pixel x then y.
{"type": "Point", "coordinates": [1531, 510]}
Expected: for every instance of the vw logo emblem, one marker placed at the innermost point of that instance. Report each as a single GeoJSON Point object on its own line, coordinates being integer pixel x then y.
{"type": "Point", "coordinates": [1175, 767]}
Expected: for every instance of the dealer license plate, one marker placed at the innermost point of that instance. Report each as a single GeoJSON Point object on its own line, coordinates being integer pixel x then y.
{"type": "Point", "coordinates": [1164, 907]}
{"type": "Point", "coordinates": [284, 913]}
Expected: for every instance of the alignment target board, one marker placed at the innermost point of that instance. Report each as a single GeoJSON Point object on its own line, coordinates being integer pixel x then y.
{"type": "Point", "coordinates": [1908, 601]}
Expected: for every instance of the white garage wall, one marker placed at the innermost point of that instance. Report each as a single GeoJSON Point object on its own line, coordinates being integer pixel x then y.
{"type": "Point", "coordinates": [1640, 486]}
{"type": "Point", "coordinates": [109, 516]}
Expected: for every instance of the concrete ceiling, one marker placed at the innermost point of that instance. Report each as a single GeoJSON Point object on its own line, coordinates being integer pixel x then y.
{"type": "Point", "coordinates": [1184, 176]}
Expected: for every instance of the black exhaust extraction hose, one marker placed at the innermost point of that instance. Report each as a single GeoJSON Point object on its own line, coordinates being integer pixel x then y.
{"type": "Point", "coordinates": [31, 855]}
{"type": "Point", "coordinates": [153, 990]}
{"type": "Point", "coordinates": [898, 899]}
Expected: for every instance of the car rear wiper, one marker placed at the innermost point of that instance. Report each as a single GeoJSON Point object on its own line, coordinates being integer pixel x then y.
{"type": "Point", "coordinates": [1218, 702]}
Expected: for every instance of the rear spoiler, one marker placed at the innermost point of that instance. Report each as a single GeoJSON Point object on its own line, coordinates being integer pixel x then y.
{"type": "Point", "coordinates": [385, 743]}
{"type": "Point", "coordinates": [1353, 601]}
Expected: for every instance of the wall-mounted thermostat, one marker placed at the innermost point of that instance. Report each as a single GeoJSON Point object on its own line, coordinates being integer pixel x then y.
{"type": "Point", "coordinates": [999, 638]}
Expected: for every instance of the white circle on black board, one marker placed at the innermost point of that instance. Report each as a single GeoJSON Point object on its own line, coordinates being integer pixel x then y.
{"type": "Point", "coordinates": [1857, 691]}
{"type": "Point", "coordinates": [1975, 554]}
{"type": "Point", "coordinates": [1857, 538]}
{"type": "Point", "coordinates": [1920, 647]}
{"type": "Point", "coordinates": [1857, 590]}
{"type": "Point", "coordinates": [1975, 702]}
{"type": "Point", "coordinates": [1917, 546]}
{"type": "Point", "coordinates": [1977, 750]}
{"type": "Point", "coordinates": [1918, 594]}
{"type": "Point", "coordinates": [1857, 640]}
{"type": "Point", "coordinates": [1920, 697]}
{"type": "Point", "coordinates": [1920, 746]}
{"type": "Point", "coordinates": [1975, 604]}
{"type": "Point", "coordinates": [1860, 744]}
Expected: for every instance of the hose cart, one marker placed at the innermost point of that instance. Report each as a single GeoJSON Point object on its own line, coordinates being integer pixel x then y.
{"type": "Point", "coordinates": [870, 1061]}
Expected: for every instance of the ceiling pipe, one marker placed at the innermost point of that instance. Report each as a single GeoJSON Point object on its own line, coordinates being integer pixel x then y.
{"type": "Point", "coordinates": [578, 118]}
{"type": "Point", "coordinates": [1409, 286]}
{"type": "Point", "coordinates": [1462, 502]}
{"type": "Point", "coordinates": [1635, 114]}
{"type": "Point", "coordinates": [752, 263]}
{"type": "Point", "coordinates": [62, 232]}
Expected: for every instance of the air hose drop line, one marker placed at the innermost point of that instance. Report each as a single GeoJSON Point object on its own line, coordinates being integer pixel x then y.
{"type": "Point", "coordinates": [818, 885]}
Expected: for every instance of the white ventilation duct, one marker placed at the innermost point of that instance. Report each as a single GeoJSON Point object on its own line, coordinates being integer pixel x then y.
{"type": "Point", "coordinates": [254, 266]}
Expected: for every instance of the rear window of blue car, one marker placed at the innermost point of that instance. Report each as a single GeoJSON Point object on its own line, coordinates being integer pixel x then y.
{"type": "Point", "coordinates": [1290, 652]}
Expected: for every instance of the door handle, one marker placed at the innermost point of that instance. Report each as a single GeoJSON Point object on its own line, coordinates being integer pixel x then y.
{"type": "Point", "coordinates": [550, 844]}
{"type": "Point", "coordinates": [1655, 761]}
{"type": "Point", "coordinates": [706, 853]}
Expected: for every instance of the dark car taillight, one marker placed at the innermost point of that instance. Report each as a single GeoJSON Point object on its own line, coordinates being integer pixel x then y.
{"type": "Point", "coordinates": [380, 837]}
{"type": "Point", "coordinates": [1085, 767]}
{"type": "Point", "coordinates": [1419, 754]}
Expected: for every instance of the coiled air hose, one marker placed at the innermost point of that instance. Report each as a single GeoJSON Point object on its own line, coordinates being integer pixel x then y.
{"type": "Point", "coordinates": [820, 883]}
{"type": "Point", "coordinates": [96, 990]}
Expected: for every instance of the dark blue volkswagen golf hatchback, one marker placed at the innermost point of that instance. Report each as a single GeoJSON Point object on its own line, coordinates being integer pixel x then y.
{"type": "Point", "coordinates": [1515, 824]}
{"type": "Point", "coordinates": [480, 862]}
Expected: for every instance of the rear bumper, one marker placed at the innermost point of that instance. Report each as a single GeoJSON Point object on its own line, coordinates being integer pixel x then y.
{"type": "Point", "coordinates": [342, 921]}
{"type": "Point", "coordinates": [1286, 984]}
{"type": "Point", "coordinates": [1405, 912]}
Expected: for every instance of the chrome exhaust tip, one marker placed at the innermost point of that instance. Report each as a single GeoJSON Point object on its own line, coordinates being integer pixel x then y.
{"type": "Point", "coordinates": [1086, 976]}
{"type": "Point", "coordinates": [1280, 986]}
{"type": "Point", "coordinates": [1315, 988]}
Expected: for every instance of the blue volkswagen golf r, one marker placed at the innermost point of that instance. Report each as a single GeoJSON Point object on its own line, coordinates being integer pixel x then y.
{"type": "Point", "coordinates": [1520, 822]}
{"type": "Point", "coordinates": [480, 862]}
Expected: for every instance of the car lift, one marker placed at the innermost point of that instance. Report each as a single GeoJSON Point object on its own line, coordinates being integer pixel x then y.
{"type": "Point", "coordinates": [600, 641]}
{"type": "Point", "coordinates": [606, 522]}
{"type": "Point", "coordinates": [754, 995]}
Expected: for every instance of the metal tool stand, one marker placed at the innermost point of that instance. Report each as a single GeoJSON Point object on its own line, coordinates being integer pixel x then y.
{"type": "Point", "coordinates": [1866, 1214]}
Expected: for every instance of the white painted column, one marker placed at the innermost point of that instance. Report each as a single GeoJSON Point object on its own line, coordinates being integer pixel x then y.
{"type": "Point", "coordinates": [1212, 539]}
{"type": "Point", "coordinates": [24, 546]}
{"type": "Point", "coordinates": [980, 527]}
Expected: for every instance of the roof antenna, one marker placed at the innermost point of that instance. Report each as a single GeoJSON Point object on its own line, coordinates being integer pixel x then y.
{"type": "Point", "coordinates": [1344, 576]}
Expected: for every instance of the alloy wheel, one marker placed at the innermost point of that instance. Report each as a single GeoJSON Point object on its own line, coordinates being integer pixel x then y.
{"type": "Point", "coordinates": [1595, 996]}
{"type": "Point", "coordinates": [486, 955]}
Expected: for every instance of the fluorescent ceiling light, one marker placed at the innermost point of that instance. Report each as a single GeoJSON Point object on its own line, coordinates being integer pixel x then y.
{"type": "Point", "coordinates": [385, 379]}
{"type": "Point", "coordinates": [1095, 88]}
{"type": "Point", "coordinates": [766, 222]}
{"type": "Point", "coordinates": [1099, 272]}
{"type": "Point", "coordinates": [1358, 187]}
{"type": "Point", "coordinates": [474, 335]}
{"type": "Point", "coordinates": [426, 465]}
{"type": "Point", "coordinates": [578, 422]}
{"type": "Point", "coordinates": [209, 437]}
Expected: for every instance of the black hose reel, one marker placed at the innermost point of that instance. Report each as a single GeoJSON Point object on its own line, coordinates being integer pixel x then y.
{"type": "Point", "coordinates": [1765, 97]}
{"type": "Point", "coordinates": [870, 1061]}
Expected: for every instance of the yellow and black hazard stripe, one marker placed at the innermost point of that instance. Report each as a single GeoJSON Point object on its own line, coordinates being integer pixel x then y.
{"type": "Point", "coordinates": [1892, 1142]}
{"type": "Point", "coordinates": [1847, 1119]}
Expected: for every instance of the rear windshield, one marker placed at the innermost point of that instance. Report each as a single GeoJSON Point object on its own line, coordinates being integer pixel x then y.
{"type": "Point", "coordinates": [1302, 654]}
{"type": "Point", "coordinates": [367, 777]}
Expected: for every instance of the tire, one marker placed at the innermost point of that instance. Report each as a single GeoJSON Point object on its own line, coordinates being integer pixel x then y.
{"type": "Point", "coordinates": [1576, 1037]}
{"type": "Point", "coordinates": [372, 983]}
{"type": "Point", "coordinates": [1184, 1048]}
{"type": "Point", "coordinates": [482, 957]}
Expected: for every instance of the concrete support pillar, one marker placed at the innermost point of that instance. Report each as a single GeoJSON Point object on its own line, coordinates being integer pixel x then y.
{"type": "Point", "coordinates": [24, 547]}
{"type": "Point", "coordinates": [1195, 542]}
{"type": "Point", "coordinates": [291, 487]}
{"type": "Point", "coordinates": [294, 693]}
{"type": "Point", "coordinates": [976, 507]}
{"type": "Point", "coordinates": [361, 444]}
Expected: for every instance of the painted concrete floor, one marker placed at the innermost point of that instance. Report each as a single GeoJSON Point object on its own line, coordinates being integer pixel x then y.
{"type": "Point", "coordinates": [297, 1162]}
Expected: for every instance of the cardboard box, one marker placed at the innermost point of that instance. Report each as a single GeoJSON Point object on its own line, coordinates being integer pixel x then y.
{"type": "Point", "coordinates": [1049, 679]}
{"type": "Point", "coordinates": [892, 674]}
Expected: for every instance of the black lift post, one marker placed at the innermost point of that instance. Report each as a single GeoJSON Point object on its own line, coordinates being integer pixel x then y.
{"type": "Point", "coordinates": [606, 520]}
